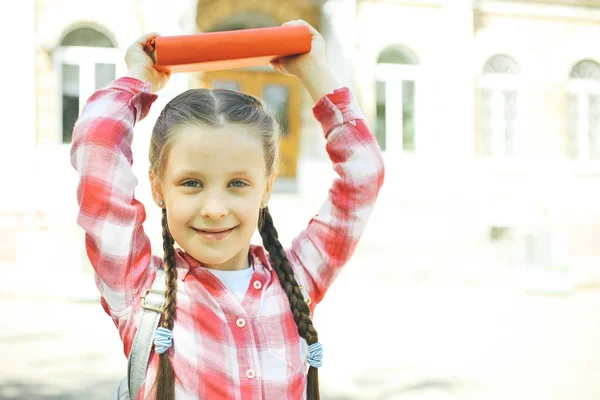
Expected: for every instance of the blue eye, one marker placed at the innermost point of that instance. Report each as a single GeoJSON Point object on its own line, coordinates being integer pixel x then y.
{"type": "Point", "coordinates": [192, 184]}
{"type": "Point", "coordinates": [238, 184]}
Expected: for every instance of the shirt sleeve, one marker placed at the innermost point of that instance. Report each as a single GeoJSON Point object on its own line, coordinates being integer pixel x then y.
{"type": "Point", "coordinates": [319, 251]}
{"type": "Point", "coordinates": [111, 217]}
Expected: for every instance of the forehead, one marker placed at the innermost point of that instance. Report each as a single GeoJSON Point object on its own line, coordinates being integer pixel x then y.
{"type": "Point", "coordinates": [215, 151]}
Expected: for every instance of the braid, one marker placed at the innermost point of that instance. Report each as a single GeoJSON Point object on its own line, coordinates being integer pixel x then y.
{"type": "Point", "coordinates": [168, 316]}
{"type": "Point", "coordinates": [165, 378]}
{"type": "Point", "coordinates": [299, 308]}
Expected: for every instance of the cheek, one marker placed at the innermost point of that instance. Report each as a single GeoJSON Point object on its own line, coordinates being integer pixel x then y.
{"type": "Point", "coordinates": [180, 208]}
{"type": "Point", "coordinates": [247, 210]}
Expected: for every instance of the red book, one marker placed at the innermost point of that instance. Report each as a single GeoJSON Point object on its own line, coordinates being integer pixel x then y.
{"type": "Point", "coordinates": [228, 49]}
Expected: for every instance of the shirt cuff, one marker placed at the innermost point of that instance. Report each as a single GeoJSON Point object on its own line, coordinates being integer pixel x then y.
{"type": "Point", "coordinates": [335, 109]}
{"type": "Point", "coordinates": [132, 85]}
{"type": "Point", "coordinates": [142, 97]}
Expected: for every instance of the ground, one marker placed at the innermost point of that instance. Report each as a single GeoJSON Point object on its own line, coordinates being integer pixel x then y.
{"type": "Point", "coordinates": [385, 337]}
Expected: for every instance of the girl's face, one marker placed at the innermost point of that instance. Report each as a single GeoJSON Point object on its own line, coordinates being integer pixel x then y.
{"type": "Point", "coordinates": [213, 184]}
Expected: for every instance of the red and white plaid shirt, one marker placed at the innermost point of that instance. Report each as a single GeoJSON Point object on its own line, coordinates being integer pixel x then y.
{"type": "Point", "coordinates": [221, 349]}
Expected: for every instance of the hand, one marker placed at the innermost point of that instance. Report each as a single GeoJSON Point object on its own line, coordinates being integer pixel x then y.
{"type": "Point", "coordinates": [311, 68]}
{"type": "Point", "coordinates": [297, 65]}
{"type": "Point", "coordinates": [141, 66]}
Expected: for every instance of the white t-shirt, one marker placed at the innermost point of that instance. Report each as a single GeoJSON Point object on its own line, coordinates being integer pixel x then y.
{"type": "Point", "coordinates": [236, 281]}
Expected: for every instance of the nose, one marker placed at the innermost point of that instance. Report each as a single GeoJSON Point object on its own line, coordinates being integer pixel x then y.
{"type": "Point", "coordinates": [213, 207]}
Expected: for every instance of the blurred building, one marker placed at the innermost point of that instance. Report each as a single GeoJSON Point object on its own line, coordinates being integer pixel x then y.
{"type": "Point", "coordinates": [488, 113]}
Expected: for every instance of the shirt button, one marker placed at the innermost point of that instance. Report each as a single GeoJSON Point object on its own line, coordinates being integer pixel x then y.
{"type": "Point", "coordinates": [250, 373]}
{"type": "Point", "coordinates": [257, 285]}
{"type": "Point", "coordinates": [241, 322]}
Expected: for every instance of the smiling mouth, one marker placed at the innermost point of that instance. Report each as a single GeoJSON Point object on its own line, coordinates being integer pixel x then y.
{"type": "Point", "coordinates": [212, 230]}
{"type": "Point", "coordinates": [214, 234]}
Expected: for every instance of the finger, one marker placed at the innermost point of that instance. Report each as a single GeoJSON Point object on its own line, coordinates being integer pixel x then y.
{"type": "Point", "coordinates": [298, 21]}
{"type": "Point", "coordinates": [276, 65]}
{"type": "Point", "coordinates": [301, 22]}
{"type": "Point", "coordinates": [295, 22]}
{"type": "Point", "coordinates": [145, 38]}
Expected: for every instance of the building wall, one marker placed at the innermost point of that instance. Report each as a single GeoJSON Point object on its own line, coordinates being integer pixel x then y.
{"type": "Point", "coordinates": [53, 23]}
{"type": "Point", "coordinates": [546, 45]}
{"type": "Point", "coordinates": [456, 197]}
{"type": "Point", "coordinates": [438, 209]}
{"type": "Point", "coordinates": [548, 41]}
{"type": "Point", "coordinates": [43, 216]}
{"type": "Point", "coordinates": [17, 111]}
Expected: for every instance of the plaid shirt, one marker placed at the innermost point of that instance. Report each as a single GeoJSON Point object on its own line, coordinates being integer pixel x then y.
{"type": "Point", "coordinates": [221, 349]}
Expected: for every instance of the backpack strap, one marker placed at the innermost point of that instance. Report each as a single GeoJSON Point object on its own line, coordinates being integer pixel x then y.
{"type": "Point", "coordinates": [153, 301]}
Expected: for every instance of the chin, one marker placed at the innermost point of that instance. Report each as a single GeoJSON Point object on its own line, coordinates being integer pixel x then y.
{"type": "Point", "coordinates": [213, 259]}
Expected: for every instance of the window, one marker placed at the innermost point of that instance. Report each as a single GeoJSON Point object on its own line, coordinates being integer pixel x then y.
{"type": "Point", "coordinates": [246, 20]}
{"type": "Point", "coordinates": [498, 108]}
{"type": "Point", "coordinates": [395, 93]}
{"type": "Point", "coordinates": [86, 60]}
{"type": "Point", "coordinates": [543, 248]}
{"type": "Point", "coordinates": [583, 112]}
{"type": "Point", "coordinates": [277, 101]}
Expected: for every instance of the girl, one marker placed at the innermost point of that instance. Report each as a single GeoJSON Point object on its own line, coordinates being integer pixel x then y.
{"type": "Point", "coordinates": [236, 322]}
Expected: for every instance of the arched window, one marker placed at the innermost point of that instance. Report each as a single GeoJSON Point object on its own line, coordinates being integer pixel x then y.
{"type": "Point", "coordinates": [86, 37]}
{"type": "Point", "coordinates": [395, 91]}
{"type": "Point", "coordinates": [498, 108]}
{"type": "Point", "coordinates": [583, 112]}
{"type": "Point", "coordinates": [86, 60]}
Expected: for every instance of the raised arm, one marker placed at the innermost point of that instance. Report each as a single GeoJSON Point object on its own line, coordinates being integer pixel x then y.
{"type": "Point", "coordinates": [332, 235]}
{"type": "Point", "coordinates": [108, 212]}
{"type": "Point", "coordinates": [318, 253]}
{"type": "Point", "coordinates": [101, 152]}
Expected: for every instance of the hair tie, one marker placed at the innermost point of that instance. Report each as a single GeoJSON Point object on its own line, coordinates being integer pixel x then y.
{"type": "Point", "coordinates": [163, 339]}
{"type": "Point", "coordinates": [315, 355]}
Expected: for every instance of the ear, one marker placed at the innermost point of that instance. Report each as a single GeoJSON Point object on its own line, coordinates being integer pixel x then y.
{"type": "Point", "coordinates": [269, 187]}
{"type": "Point", "coordinates": [157, 193]}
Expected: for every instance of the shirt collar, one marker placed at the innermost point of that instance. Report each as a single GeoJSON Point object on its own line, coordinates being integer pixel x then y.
{"type": "Point", "coordinates": [260, 259]}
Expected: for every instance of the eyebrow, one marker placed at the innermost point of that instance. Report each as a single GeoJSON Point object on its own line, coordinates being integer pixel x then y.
{"type": "Point", "coordinates": [199, 173]}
